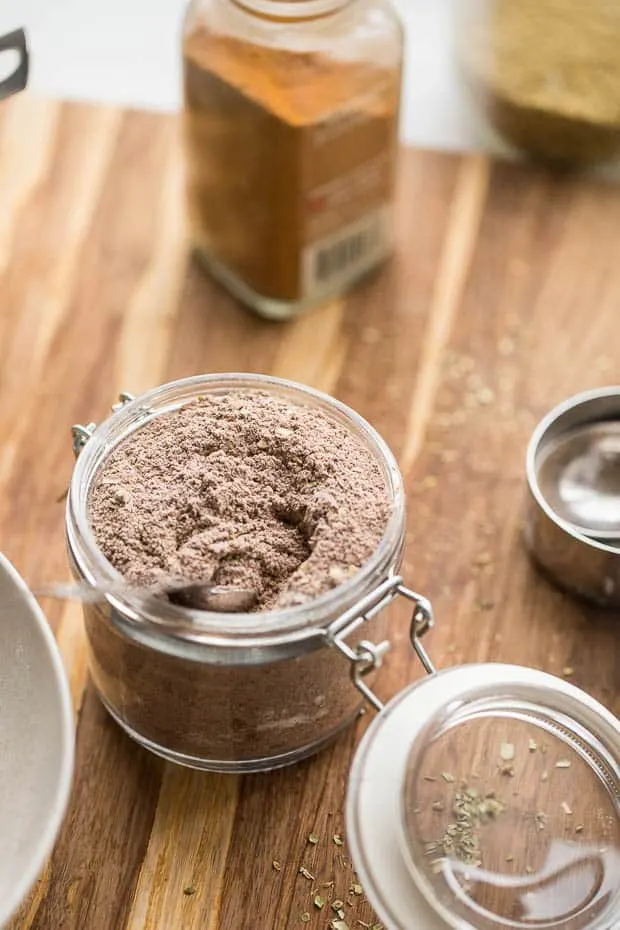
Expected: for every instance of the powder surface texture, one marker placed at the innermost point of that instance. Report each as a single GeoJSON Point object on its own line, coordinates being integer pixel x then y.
{"type": "Point", "coordinates": [241, 489]}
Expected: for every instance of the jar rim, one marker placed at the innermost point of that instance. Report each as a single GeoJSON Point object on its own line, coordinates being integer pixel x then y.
{"type": "Point", "coordinates": [291, 9]}
{"type": "Point", "coordinates": [243, 629]}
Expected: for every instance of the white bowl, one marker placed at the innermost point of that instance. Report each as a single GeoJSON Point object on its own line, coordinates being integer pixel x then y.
{"type": "Point", "coordinates": [36, 740]}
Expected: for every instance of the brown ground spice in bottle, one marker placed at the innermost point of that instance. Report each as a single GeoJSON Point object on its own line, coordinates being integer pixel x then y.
{"type": "Point", "coordinates": [290, 164]}
{"type": "Point", "coordinates": [547, 73]}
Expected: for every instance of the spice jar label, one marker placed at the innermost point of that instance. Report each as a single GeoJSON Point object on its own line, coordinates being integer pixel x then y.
{"type": "Point", "coordinates": [349, 167]}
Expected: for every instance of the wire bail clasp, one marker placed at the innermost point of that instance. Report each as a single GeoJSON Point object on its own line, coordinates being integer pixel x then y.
{"type": "Point", "coordinates": [81, 434]}
{"type": "Point", "coordinates": [365, 656]}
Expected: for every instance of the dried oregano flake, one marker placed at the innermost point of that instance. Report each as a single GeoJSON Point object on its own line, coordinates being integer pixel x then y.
{"type": "Point", "coordinates": [461, 839]}
{"type": "Point", "coordinates": [540, 820]}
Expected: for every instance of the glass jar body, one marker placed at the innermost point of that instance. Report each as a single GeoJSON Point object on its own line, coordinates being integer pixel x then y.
{"type": "Point", "coordinates": [215, 691]}
{"type": "Point", "coordinates": [290, 135]}
{"type": "Point", "coordinates": [544, 76]}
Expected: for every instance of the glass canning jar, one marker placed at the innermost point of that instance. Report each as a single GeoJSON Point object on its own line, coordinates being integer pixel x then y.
{"type": "Point", "coordinates": [233, 692]}
{"type": "Point", "coordinates": [290, 126]}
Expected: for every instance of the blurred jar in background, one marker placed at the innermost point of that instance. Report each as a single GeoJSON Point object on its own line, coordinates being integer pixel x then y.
{"type": "Point", "coordinates": [291, 134]}
{"type": "Point", "coordinates": [546, 74]}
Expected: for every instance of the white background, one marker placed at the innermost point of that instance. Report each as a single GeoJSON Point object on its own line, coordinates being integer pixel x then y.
{"type": "Point", "coordinates": [127, 52]}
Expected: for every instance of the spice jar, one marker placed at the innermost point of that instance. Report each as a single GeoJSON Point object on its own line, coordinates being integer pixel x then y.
{"type": "Point", "coordinates": [545, 75]}
{"type": "Point", "coordinates": [243, 691]}
{"type": "Point", "coordinates": [488, 796]}
{"type": "Point", "coordinates": [290, 128]}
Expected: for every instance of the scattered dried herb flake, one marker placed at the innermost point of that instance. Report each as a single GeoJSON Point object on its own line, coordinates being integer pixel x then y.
{"type": "Point", "coordinates": [461, 839]}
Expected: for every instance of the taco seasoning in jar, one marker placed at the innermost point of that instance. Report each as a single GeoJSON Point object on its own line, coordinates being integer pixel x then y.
{"type": "Point", "coordinates": [290, 128]}
{"type": "Point", "coordinates": [284, 503]}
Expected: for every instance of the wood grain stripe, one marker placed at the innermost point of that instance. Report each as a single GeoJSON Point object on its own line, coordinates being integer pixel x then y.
{"type": "Point", "coordinates": [451, 277]}
{"type": "Point", "coordinates": [26, 141]}
{"type": "Point", "coordinates": [181, 879]}
{"type": "Point", "coordinates": [312, 349]}
{"type": "Point", "coordinates": [67, 200]}
{"type": "Point", "coordinates": [152, 309]}
{"type": "Point", "coordinates": [71, 639]}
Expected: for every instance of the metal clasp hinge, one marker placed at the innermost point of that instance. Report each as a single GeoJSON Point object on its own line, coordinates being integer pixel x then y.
{"type": "Point", "coordinates": [81, 434]}
{"type": "Point", "coordinates": [365, 657]}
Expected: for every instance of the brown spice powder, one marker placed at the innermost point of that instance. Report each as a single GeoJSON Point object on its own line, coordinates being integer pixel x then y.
{"type": "Point", "coordinates": [241, 489]}
{"type": "Point", "coordinates": [223, 717]}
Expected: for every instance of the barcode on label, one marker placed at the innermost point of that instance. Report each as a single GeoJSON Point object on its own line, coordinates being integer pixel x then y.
{"type": "Point", "coordinates": [346, 255]}
{"type": "Point", "coordinates": [333, 259]}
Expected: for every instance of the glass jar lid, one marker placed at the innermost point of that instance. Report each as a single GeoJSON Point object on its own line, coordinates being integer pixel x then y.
{"type": "Point", "coordinates": [489, 797]}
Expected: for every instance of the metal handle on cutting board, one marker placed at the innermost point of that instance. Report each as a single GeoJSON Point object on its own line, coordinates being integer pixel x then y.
{"type": "Point", "coordinates": [16, 81]}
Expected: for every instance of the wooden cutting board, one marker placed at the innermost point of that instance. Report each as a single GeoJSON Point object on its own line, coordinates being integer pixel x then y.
{"type": "Point", "coordinates": [504, 298]}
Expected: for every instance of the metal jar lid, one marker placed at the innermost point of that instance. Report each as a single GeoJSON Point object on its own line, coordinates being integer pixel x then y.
{"type": "Point", "coordinates": [487, 797]}
{"type": "Point", "coordinates": [573, 473]}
